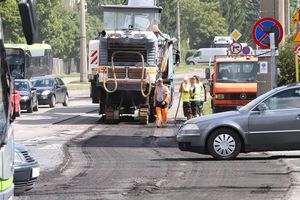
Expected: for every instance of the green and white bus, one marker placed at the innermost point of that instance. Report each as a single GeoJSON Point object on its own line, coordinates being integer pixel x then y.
{"type": "Point", "coordinates": [27, 61]}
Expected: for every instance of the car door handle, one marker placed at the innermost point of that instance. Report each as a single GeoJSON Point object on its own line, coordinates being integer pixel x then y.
{"type": "Point", "coordinates": [298, 117]}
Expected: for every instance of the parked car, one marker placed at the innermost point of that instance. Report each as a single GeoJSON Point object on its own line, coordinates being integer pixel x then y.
{"type": "Point", "coordinates": [50, 91]}
{"type": "Point", "coordinates": [29, 100]}
{"type": "Point", "coordinates": [271, 122]}
{"type": "Point", "coordinates": [26, 169]}
{"type": "Point", "coordinates": [15, 109]}
{"type": "Point", "coordinates": [206, 55]}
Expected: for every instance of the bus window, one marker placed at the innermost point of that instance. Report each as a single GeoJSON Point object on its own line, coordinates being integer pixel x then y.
{"type": "Point", "coordinates": [15, 59]}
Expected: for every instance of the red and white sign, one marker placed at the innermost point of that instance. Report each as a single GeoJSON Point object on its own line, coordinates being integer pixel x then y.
{"type": "Point", "coordinates": [236, 48]}
{"type": "Point", "coordinates": [297, 49]}
{"type": "Point", "coordinates": [94, 57]}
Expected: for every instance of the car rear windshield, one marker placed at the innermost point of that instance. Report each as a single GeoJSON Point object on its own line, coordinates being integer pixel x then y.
{"type": "Point", "coordinates": [21, 86]}
{"type": "Point", "coordinates": [236, 72]}
{"type": "Point", "coordinates": [42, 83]}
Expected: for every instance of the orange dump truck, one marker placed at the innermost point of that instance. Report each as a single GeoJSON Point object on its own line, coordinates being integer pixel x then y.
{"type": "Point", "coordinates": [234, 82]}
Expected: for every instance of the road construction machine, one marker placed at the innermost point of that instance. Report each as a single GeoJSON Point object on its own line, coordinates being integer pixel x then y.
{"type": "Point", "coordinates": [127, 58]}
{"type": "Point", "coordinates": [7, 152]}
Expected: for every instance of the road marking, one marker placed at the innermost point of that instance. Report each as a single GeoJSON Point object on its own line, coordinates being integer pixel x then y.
{"type": "Point", "coordinates": [51, 147]}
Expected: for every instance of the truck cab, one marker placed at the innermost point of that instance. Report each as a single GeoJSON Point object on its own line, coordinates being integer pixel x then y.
{"type": "Point", "coordinates": [234, 82]}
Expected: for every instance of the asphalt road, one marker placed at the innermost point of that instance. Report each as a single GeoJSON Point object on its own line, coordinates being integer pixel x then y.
{"type": "Point", "coordinates": [133, 161]}
{"type": "Point", "coordinates": [126, 161]}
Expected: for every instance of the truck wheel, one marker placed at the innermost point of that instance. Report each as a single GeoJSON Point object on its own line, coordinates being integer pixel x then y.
{"type": "Point", "coordinates": [144, 120]}
{"type": "Point", "coordinates": [224, 144]}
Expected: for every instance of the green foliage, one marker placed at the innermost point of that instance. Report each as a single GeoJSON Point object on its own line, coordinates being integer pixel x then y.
{"type": "Point", "coordinates": [286, 62]}
{"type": "Point", "coordinates": [202, 22]}
{"type": "Point", "coordinates": [241, 15]}
{"type": "Point", "coordinates": [169, 15]}
{"type": "Point", "coordinates": [11, 22]}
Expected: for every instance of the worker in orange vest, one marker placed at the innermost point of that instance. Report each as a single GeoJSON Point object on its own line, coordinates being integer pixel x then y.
{"type": "Point", "coordinates": [161, 103]}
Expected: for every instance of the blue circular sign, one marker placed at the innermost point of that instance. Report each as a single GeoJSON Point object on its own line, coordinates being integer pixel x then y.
{"type": "Point", "coordinates": [261, 38]}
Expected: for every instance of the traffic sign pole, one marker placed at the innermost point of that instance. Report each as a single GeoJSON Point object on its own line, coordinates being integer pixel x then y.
{"type": "Point", "coordinates": [273, 61]}
{"type": "Point", "coordinates": [297, 66]}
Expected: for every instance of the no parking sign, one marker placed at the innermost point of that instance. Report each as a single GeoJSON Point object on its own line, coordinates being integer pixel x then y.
{"type": "Point", "coordinates": [260, 37]}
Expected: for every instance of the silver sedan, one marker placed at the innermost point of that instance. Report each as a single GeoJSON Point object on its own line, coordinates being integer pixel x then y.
{"type": "Point", "coordinates": [271, 122]}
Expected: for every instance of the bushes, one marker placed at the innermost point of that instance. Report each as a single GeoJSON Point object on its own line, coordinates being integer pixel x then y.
{"type": "Point", "coordinates": [286, 63]}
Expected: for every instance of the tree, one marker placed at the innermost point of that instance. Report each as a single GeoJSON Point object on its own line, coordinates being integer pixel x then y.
{"type": "Point", "coordinates": [286, 62]}
{"type": "Point", "coordinates": [241, 15]}
{"type": "Point", "coordinates": [202, 22]}
{"type": "Point", "coordinates": [168, 18]}
{"type": "Point", "coordinates": [11, 22]}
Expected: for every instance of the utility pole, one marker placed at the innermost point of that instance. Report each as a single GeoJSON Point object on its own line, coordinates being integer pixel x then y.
{"type": "Point", "coordinates": [83, 53]}
{"type": "Point", "coordinates": [178, 27]}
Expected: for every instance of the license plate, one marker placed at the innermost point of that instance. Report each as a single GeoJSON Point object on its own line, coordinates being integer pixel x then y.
{"type": "Point", "coordinates": [35, 172]}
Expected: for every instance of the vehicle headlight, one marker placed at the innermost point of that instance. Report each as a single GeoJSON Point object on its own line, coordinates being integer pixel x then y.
{"type": "Point", "coordinates": [190, 127]}
{"type": "Point", "coordinates": [25, 98]}
{"type": "Point", "coordinates": [220, 96]}
{"type": "Point", "coordinates": [46, 92]}
{"type": "Point", "coordinates": [18, 160]}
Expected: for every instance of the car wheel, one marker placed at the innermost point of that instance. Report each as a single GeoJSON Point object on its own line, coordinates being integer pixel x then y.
{"type": "Point", "coordinates": [17, 113]}
{"type": "Point", "coordinates": [66, 100]}
{"type": "Point", "coordinates": [224, 144]}
{"type": "Point", "coordinates": [52, 101]}
{"type": "Point", "coordinates": [30, 107]}
{"type": "Point", "coordinates": [36, 107]}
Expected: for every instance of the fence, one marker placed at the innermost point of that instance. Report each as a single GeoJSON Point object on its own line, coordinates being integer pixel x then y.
{"type": "Point", "coordinates": [66, 66]}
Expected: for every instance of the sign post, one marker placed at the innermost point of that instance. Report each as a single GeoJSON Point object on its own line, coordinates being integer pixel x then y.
{"type": "Point", "coordinates": [267, 34]}
{"type": "Point", "coordinates": [297, 59]}
{"type": "Point", "coordinates": [297, 66]}
{"type": "Point", "coordinates": [273, 61]}
{"type": "Point", "coordinates": [296, 20]}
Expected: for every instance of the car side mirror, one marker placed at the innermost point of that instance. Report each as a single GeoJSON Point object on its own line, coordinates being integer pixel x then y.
{"type": "Point", "coordinates": [28, 18]}
{"type": "Point", "coordinates": [207, 73]}
{"type": "Point", "coordinates": [262, 107]}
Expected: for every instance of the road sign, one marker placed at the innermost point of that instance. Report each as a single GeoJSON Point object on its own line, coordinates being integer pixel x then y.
{"type": "Point", "coordinates": [296, 17]}
{"type": "Point", "coordinates": [236, 48]}
{"type": "Point", "coordinates": [297, 51]}
{"type": "Point", "coordinates": [235, 35]}
{"type": "Point", "coordinates": [258, 32]}
{"type": "Point", "coordinates": [297, 36]}
{"type": "Point", "coordinates": [297, 59]}
{"type": "Point", "coordinates": [246, 50]}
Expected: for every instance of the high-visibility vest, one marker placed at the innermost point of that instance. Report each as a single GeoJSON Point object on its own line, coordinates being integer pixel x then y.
{"type": "Point", "coordinates": [186, 95]}
{"type": "Point", "coordinates": [202, 94]}
{"type": "Point", "coordinates": [197, 93]}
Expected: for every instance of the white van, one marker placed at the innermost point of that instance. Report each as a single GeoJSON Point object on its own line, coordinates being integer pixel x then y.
{"type": "Point", "coordinates": [206, 55]}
